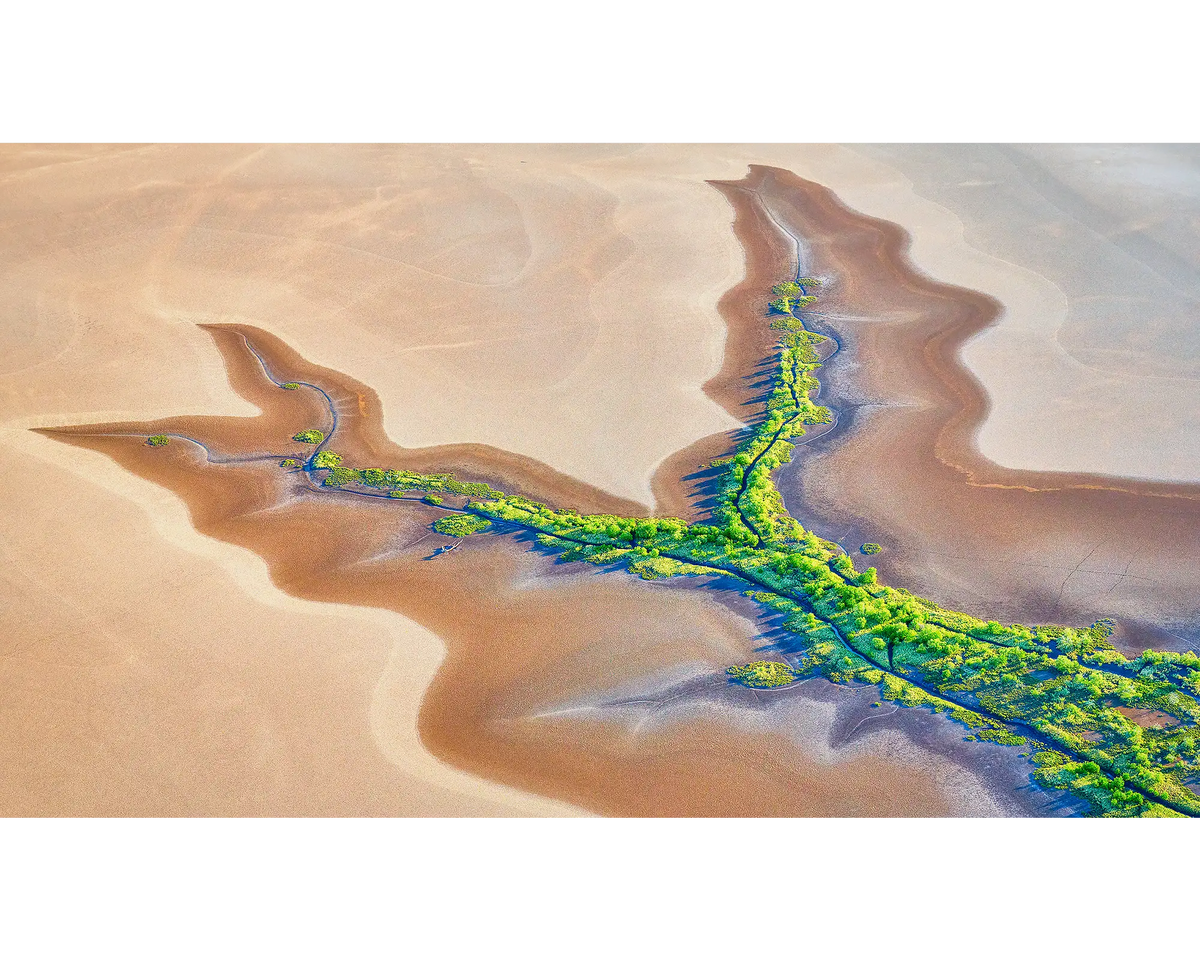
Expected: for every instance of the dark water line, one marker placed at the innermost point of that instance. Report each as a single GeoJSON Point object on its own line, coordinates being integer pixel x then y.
{"type": "Point", "coordinates": [209, 456]}
{"type": "Point", "coordinates": [329, 403]}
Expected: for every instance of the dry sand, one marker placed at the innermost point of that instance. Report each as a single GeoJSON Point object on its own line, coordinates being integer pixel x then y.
{"type": "Point", "coordinates": [476, 310]}
{"type": "Point", "coordinates": [490, 295]}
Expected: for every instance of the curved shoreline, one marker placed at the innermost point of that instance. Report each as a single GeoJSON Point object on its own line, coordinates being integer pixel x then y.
{"type": "Point", "coordinates": [512, 622]}
{"type": "Point", "coordinates": [678, 483]}
{"type": "Point", "coordinates": [363, 441]}
{"type": "Point", "coordinates": [906, 467]}
{"type": "Point", "coordinates": [942, 350]}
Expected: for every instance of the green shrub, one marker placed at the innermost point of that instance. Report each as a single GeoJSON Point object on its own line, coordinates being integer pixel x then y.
{"type": "Point", "coordinates": [326, 460]}
{"type": "Point", "coordinates": [309, 436]}
{"type": "Point", "coordinates": [433, 499]}
{"type": "Point", "coordinates": [1061, 685]}
{"type": "Point", "coordinates": [290, 462]}
{"type": "Point", "coordinates": [158, 440]}
{"type": "Point", "coordinates": [291, 386]}
{"type": "Point", "coordinates": [461, 526]}
{"type": "Point", "coordinates": [763, 673]}
{"type": "Point", "coordinates": [340, 476]}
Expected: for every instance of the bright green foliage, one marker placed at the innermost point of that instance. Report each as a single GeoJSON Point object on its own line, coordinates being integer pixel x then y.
{"type": "Point", "coordinates": [327, 460]}
{"type": "Point", "coordinates": [750, 508]}
{"type": "Point", "coordinates": [433, 499]}
{"type": "Point", "coordinates": [158, 440]}
{"type": "Point", "coordinates": [789, 304]}
{"type": "Point", "coordinates": [309, 436]}
{"type": "Point", "coordinates": [1055, 688]}
{"type": "Point", "coordinates": [339, 476]}
{"type": "Point", "coordinates": [651, 566]}
{"type": "Point", "coordinates": [1107, 794]}
{"type": "Point", "coordinates": [461, 526]}
{"type": "Point", "coordinates": [763, 673]}
{"type": "Point", "coordinates": [290, 462]}
{"type": "Point", "coordinates": [292, 386]}
{"type": "Point", "coordinates": [870, 548]}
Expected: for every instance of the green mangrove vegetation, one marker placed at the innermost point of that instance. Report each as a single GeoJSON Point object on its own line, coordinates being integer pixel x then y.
{"type": "Point", "coordinates": [309, 436]}
{"type": "Point", "coordinates": [158, 440]}
{"type": "Point", "coordinates": [1058, 690]}
{"type": "Point", "coordinates": [291, 386]}
{"type": "Point", "coordinates": [870, 548]}
{"type": "Point", "coordinates": [764, 673]}
{"type": "Point", "coordinates": [290, 462]}
{"type": "Point", "coordinates": [461, 525]}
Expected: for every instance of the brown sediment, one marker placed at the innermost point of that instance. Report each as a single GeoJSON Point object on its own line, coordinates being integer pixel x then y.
{"type": "Point", "coordinates": [999, 543]}
{"type": "Point", "coordinates": [1002, 543]}
{"type": "Point", "coordinates": [521, 636]}
{"type": "Point", "coordinates": [360, 435]}
{"type": "Point", "coordinates": [1150, 719]}
{"type": "Point", "coordinates": [513, 651]}
{"type": "Point", "coordinates": [770, 258]}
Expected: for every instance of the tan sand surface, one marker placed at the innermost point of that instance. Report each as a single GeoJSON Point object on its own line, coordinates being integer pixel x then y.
{"type": "Point", "coordinates": [545, 301]}
{"type": "Point", "coordinates": [488, 300]}
{"type": "Point", "coordinates": [150, 670]}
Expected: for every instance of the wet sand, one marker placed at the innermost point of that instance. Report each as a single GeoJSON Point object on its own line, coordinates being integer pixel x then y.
{"type": "Point", "coordinates": [523, 632]}
{"type": "Point", "coordinates": [903, 469]}
{"type": "Point", "coordinates": [679, 484]}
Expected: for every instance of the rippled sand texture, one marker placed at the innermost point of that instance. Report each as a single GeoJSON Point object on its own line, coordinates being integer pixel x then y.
{"type": "Point", "coordinates": [149, 669]}
{"type": "Point", "coordinates": [477, 290]}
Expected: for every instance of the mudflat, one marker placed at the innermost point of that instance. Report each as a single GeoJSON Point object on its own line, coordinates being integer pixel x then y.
{"type": "Point", "coordinates": [523, 635]}
{"type": "Point", "coordinates": [149, 253]}
{"type": "Point", "coordinates": [904, 471]}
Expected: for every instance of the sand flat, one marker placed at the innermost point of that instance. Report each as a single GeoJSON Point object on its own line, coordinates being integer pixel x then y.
{"type": "Point", "coordinates": [479, 289]}
{"type": "Point", "coordinates": [477, 311]}
{"type": "Point", "coordinates": [567, 312]}
{"type": "Point", "coordinates": [152, 671]}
